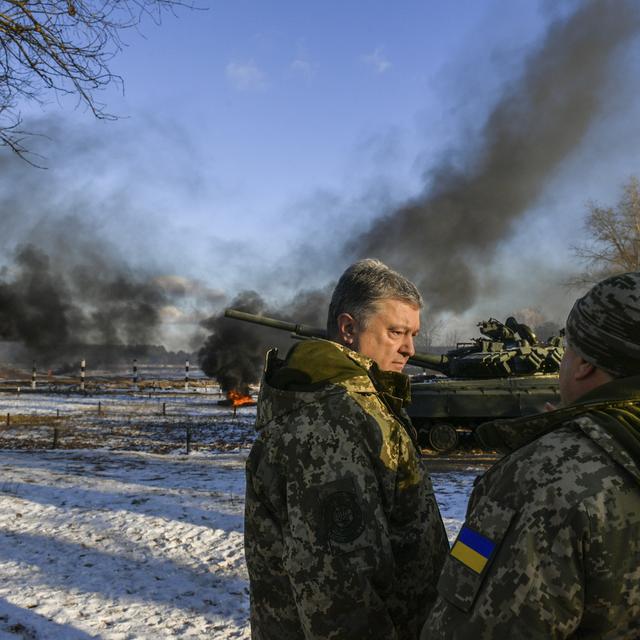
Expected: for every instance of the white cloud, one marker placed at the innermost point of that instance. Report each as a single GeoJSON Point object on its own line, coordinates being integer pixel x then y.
{"type": "Point", "coordinates": [303, 67]}
{"type": "Point", "coordinates": [172, 315]}
{"type": "Point", "coordinates": [246, 76]}
{"type": "Point", "coordinates": [377, 60]}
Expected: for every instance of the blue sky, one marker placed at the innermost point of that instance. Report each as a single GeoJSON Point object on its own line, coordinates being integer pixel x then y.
{"type": "Point", "coordinates": [285, 98]}
{"type": "Point", "coordinates": [256, 137]}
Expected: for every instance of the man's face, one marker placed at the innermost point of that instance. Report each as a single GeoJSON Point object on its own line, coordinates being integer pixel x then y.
{"type": "Point", "coordinates": [388, 337]}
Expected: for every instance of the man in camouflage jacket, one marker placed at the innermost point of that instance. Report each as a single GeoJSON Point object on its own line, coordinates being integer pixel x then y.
{"type": "Point", "coordinates": [343, 536]}
{"type": "Point", "coordinates": [551, 543]}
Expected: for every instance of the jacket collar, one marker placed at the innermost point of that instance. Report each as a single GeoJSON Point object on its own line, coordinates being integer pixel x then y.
{"type": "Point", "coordinates": [618, 406]}
{"type": "Point", "coordinates": [317, 368]}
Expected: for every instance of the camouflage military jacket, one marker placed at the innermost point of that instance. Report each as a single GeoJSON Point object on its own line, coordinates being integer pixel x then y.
{"type": "Point", "coordinates": [551, 543]}
{"type": "Point", "coordinates": [343, 536]}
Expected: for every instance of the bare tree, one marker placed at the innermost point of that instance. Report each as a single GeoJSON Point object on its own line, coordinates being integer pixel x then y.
{"type": "Point", "coordinates": [62, 47]}
{"type": "Point", "coordinates": [430, 329]}
{"type": "Point", "coordinates": [614, 237]}
{"type": "Point", "coordinates": [452, 338]}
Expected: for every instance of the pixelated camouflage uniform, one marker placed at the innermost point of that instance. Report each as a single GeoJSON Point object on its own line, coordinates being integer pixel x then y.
{"type": "Point", "coordinates": [343, 536]}
{"type": "Point", "coordinates": [563, 510]}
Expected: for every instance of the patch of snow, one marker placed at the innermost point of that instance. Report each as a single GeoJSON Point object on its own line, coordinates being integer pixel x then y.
{"type": "Point", "coordinates": [117, 544]}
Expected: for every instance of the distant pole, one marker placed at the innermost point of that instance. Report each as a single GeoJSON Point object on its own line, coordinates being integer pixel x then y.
{"type": "Point", "coordinates": [186, 376]}
{"type": "Point", "coordinates": [135, 372]}
{"type": "Point", "coordinates": [82, 373]}
{"type": "Point", "coordinates": [33, 375]}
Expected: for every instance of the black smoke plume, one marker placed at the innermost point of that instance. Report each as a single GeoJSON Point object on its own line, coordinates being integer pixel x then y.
{"type": "Point", "coordinates": [442, 238]}
{"type": "Point", "coordinates": [53, 303]}
{"type": "Point", "coordinates": [79, 274]}
{"type": "Point", "coordinates": [234, 351]}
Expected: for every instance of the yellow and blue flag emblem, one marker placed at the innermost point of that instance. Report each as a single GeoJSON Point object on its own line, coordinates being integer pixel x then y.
{"type": "Point", "coordinates": [472, 549]}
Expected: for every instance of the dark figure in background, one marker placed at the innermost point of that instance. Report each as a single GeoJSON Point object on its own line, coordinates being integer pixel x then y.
{"type": "Point", "coordinates": [551, 543]}
{"type": "Point", "coordinates": [343, 536]}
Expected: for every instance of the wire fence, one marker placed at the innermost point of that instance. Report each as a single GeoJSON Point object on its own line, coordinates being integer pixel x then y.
{"type": "Point", "coordinates": [131, 421]}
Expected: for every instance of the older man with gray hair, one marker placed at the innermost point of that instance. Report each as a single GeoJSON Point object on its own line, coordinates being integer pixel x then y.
{"type": "Point", "coordinates": [551, 543]}
{"type": "Point", "coordinates": [343, 536]}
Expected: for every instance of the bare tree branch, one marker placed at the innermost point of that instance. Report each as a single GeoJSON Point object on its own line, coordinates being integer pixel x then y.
{"type": "Point", "coordinates": [613, 245]}
{"type": "Point", "coordinates": [64, 47]}
{"type": "Point", "coordinates": [430, 329]}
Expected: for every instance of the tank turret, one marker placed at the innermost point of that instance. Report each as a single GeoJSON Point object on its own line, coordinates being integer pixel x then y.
{"type": "Point", "coordinates": [504, 350]}
{"type": "Point", "coordinates": [506, 372]}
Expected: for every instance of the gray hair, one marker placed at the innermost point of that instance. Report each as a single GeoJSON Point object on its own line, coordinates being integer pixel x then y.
{"type": "Point", "coordinates": [362, 286]}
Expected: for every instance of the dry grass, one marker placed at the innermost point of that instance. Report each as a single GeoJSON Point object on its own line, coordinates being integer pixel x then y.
{"type": "Point", "coordinates": [26, 420]}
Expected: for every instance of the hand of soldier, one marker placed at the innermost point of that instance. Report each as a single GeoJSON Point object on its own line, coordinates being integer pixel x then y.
{"type": "Point", "coordinates": [549, 407]}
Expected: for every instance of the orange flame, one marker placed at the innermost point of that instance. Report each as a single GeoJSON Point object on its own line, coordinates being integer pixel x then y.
{"type": "Point", "coordinates": [237, 399]}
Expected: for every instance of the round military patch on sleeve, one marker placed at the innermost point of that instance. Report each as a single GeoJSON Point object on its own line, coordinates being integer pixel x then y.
{"type": "Point", "coordinates": [342, 516]}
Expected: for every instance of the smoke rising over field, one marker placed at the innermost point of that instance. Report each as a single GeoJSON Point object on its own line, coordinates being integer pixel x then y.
{"type": "Point", "coordinates": [52, 306]}
{"type": "Point", "coordinates": [234, 351]}
{"type": "Point", "coordinates": [442, 236]}
{"type": "Point", "coordinates": [77, 259]}
{"type": "Point", "coordinates": [66, 283]}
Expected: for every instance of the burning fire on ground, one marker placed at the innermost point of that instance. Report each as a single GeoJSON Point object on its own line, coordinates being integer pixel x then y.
{"type": "Point", "coordinates": [236, 399]}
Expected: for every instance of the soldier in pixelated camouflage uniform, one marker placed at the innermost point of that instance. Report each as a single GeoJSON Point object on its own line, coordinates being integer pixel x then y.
{"type": "Point", "coordinates": [551, 543]}
{"type": "Point", "coordinates": [343, 536]}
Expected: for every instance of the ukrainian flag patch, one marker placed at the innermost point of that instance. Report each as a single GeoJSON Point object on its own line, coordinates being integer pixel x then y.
{"type": "Point", "coordinates": [472, 549]}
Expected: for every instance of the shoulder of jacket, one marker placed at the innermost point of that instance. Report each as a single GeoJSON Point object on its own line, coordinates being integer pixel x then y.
{"type": "Point", "coordinates": [601, 427]}
{"type": "Point", "coordinates": [292, 412]}
{"type": "Point", "coordinates": [564, 458]}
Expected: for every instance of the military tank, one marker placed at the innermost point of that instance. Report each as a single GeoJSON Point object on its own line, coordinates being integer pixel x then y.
{"type": "Point", "coordinates": [505, 373]}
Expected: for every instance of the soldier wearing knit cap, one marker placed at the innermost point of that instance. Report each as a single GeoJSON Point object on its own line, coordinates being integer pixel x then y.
{"type": "Point", "coordinates": [551, 543]}
{"type": "Point", "coordinates": [604, 326]}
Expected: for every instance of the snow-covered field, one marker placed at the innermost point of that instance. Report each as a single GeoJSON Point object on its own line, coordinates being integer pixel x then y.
{"type": "Point", "coordinates": [155, 422]}
{"type": "Point", "coordinates": [106, 543]}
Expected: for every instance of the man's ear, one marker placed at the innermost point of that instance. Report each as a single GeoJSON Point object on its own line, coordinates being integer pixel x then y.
{"type": "Point", "coordinates": [346, 328]}
{"type": "Point", "coordinates": [584, 370]}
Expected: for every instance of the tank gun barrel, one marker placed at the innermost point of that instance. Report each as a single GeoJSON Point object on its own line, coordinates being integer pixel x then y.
{"type": "Point", "coordinates": [430, 361]}
{"type": "Point", "coordinates": [302, 330]}
{"type": "Point", "coordinates": [424, 360]}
